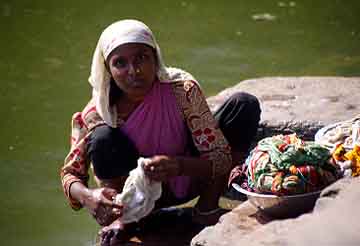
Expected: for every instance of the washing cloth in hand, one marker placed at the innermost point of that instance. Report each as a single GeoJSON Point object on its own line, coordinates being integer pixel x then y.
{"type": "Point", "coordinates": [139, 194]}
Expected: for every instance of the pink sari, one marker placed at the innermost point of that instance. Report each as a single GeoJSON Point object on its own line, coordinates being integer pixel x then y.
{"type": "Point", "coordinates": [156, 127]}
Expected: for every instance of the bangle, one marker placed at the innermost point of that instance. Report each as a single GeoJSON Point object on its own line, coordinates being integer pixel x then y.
{"type": "Point", "coordinates": [210, 212]}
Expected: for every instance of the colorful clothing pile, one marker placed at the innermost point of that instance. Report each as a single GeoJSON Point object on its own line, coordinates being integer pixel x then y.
{"type": "Point", "coordinates": [346, 132]}
{"type": "Point", "coordinates": [349, 161]}
{"type": "Point", "coordinates": [343, 140]}
{"type": "Point", "coordinates": [286, 165]}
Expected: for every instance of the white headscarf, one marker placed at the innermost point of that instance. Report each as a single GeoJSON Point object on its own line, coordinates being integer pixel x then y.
{"type": "Point", "coordinates": [118, 33]}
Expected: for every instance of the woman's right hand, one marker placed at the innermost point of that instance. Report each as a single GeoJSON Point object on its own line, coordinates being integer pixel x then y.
{"type": "Point", "coordinates": [100, 203]}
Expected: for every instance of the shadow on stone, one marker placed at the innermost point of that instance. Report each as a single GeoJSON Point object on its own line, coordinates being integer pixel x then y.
{"type": "Point", "coordinates": [171, 226]}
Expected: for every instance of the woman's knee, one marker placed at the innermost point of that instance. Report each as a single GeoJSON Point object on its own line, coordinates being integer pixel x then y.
{"type": "Point", "coordinates": [238, 119]}
{"type": "Point", "coordinates": [111, 152]}
{"type": "Point", "coordinates": [249, 102]}
{"type": "Point", "coordinates": [103, 140]}
{"type": "Point", "coordinates": [101, 135]}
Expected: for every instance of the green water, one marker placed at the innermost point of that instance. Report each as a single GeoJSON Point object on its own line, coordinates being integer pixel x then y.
{"type": "Point", "coordinates": [46, 49]}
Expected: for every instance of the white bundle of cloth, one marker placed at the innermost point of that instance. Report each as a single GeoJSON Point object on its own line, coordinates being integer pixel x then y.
{"type": "Point", "coordinates": [139, 194]}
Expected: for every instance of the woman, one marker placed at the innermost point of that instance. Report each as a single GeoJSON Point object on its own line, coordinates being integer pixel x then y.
{"type": "Point", "coordinates": [143, 108]}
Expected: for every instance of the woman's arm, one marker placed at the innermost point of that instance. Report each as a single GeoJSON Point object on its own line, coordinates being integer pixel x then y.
{"type": "Point", "coordinates": [76, 165]}
{"type": "Point", "coordinates": [162, 167]}
{"type": "Point", "coordinates": [214, 162]}
{"type": "Point", "coordinates": [205, 132]}
{"type": "Point", "coordinates": [74, 177]}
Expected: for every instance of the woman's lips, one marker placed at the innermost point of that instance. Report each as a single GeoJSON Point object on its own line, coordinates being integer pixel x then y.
{"type": "Point", "coordinates": [136, 83]}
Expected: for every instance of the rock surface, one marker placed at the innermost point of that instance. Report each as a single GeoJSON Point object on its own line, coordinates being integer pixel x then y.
{"type": "Point", "coordinates": [302, 105]}
{"type": "Point", "coordinates": [334, 221]}
{"type": "Point", "coordinates": [299, 104]}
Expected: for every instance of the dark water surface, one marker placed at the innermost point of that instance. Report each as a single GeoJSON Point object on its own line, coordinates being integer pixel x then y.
{"type": "Point", "coordinates": [46, 49]}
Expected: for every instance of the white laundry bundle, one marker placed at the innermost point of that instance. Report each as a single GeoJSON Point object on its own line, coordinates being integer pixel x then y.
{"type": "Point", "coordinates": [139, 194]}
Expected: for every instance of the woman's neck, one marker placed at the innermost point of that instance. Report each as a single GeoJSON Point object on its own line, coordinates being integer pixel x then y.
{"type": "Point", "coordinates": [131, 99]}
{"type": "Point", "coordinates": [126, 105]}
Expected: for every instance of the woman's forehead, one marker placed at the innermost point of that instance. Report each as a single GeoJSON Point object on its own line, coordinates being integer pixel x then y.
{"type": "Point", "coordinates": [130, 49]}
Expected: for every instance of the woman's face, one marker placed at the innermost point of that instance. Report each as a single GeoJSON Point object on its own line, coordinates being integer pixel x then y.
{"type": "Point", "coordinates": [133, 67]}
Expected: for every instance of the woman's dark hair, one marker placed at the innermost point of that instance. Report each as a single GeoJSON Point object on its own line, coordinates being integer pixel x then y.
{"type": "Point", "coordinates": [115, 92]}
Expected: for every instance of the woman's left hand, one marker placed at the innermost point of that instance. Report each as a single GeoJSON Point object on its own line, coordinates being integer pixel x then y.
{"type": "Point", "coordinates": [162, 167]}
{"type": "Point", "coordinates": [112, 234]}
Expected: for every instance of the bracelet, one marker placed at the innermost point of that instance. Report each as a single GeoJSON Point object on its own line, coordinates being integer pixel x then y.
{"type": "Point", "coordinates": [210, 212]}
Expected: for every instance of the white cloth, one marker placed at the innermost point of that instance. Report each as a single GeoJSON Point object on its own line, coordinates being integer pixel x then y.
{"type": "Point", "coordinates": [118, 33]}
{"type": "Point", "coordinates": [139, 194]}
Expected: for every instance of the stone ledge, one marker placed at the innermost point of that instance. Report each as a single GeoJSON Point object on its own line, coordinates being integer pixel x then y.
{"type": "Point", "coordinates": [245, 226]}
{"type": "Point", "coordinates": [298, 104]}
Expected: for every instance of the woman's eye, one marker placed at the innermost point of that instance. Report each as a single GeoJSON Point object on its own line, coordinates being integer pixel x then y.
{"type": "Point", "coordinates": [142, 57]}
{"type": "Point", "coordinates": [120, 63]}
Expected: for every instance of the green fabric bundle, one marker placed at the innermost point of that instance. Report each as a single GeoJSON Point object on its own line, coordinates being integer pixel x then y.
{"type": "Point", "coordinates": [285, 164]}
